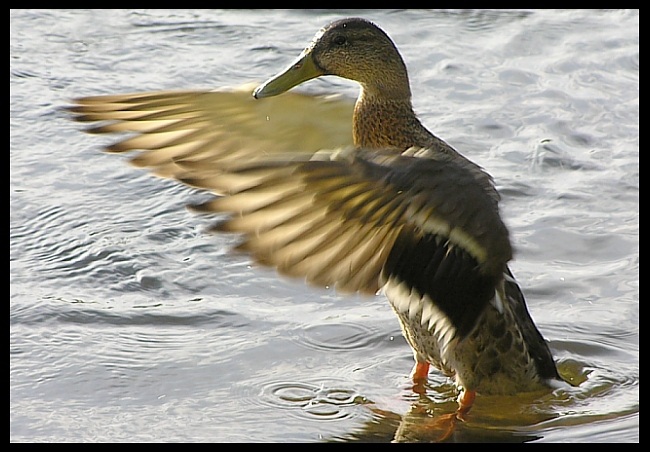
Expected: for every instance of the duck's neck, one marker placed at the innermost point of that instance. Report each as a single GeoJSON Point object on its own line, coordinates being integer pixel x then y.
{"type": "Point", "coordinates": [381, 121]}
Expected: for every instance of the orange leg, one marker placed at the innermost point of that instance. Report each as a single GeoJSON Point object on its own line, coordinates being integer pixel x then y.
{"type": "Point", "coordinates": [465, 402]}
{"type": "Point", "coordinates": [419, 376]}
{"type": "Point", "coordinates": [420, 371]}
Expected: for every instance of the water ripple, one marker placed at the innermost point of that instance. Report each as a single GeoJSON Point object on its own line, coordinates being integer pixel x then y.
{"type": "Point", "coordinates": [322, 400]}
{"type": "Point", "coordinates": [339, 336]}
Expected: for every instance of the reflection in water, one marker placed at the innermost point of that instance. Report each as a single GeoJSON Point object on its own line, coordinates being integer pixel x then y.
{"type": "Point", "coordinates": [502, 419]}
{"type": "Point", "coordinates": [519, 418]}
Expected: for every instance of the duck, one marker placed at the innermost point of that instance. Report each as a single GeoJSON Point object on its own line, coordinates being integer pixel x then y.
{"type": "Point", "coordinates": [357, 195]}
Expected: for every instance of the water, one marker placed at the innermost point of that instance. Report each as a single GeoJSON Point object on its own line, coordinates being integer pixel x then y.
{"type": "Point", "coordinates": [128, 322]}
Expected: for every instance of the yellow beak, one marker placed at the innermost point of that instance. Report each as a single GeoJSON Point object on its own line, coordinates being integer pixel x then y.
{"type": "Point", "coordinates": [301, 70]}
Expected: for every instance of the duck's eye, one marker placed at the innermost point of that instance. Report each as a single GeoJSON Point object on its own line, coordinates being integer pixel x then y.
{"type": "Point", "coordinates": [340, 40]}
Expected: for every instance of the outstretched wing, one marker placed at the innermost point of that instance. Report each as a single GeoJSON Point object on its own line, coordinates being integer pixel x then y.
{"type": "Point", "coordinates": [337, 216]}
{"type": "Point", "coordinates": [224, 126]}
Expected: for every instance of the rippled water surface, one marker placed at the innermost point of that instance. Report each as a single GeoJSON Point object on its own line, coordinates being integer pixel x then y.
{"type": "Point", "coordinates": [129, 322]}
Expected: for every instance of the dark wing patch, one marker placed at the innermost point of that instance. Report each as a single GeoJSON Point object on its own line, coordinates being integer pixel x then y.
{"type": "Point", "coordinates": [445, 272]}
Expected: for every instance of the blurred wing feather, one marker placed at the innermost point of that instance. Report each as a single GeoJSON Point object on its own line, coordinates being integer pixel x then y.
{"type": "Point", "coordinates": [216, 128]}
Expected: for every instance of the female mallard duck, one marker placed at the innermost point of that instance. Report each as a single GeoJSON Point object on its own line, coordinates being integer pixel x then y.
{"type": "Point", "coordinates": [383, 204]}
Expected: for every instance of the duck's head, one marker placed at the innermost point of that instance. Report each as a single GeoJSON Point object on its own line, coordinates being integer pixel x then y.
{"type": "Point", "coordinates": [351, 48]}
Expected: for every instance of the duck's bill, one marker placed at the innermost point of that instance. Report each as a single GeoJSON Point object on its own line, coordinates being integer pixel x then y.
{"type": "Point", "coordinates": [300, 71]}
